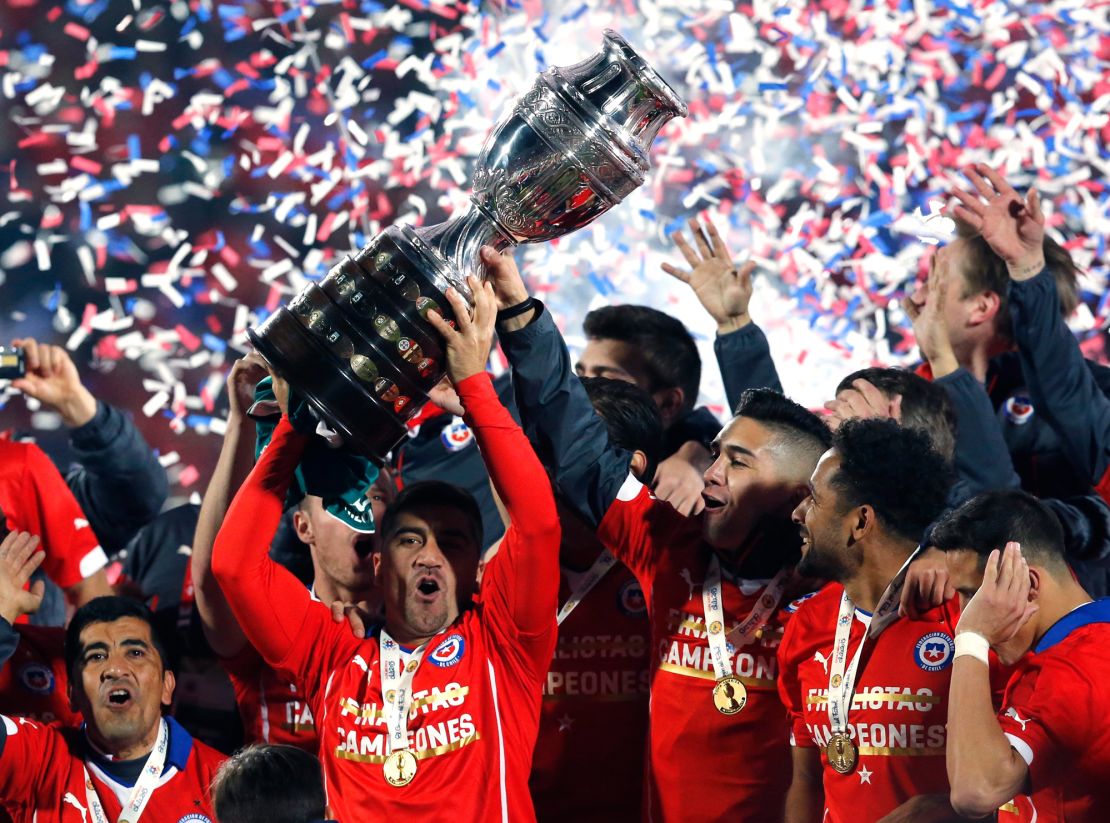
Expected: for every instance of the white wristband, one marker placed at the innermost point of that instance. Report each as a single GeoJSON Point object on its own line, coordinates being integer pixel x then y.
{"type": "Point", "coordinates": [974, 645]}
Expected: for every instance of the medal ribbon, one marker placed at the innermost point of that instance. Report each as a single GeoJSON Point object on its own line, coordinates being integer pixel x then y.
{"type": "Point", "coordinates": [144, 786]}
{"type": "Point", "coordinates": [712, 601]}
{"type": "Point", "coordinates": [598, 570]}
{"type": "Point", "coordinates": [397, 678]}
{"type": "Point", "coordinates": [842, 672]}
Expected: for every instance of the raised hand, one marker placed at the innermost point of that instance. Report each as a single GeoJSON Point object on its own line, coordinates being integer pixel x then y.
{"type": "Point", "coordinates": [927, 585]}
{"type": "Point", "coordinates": [468, 346]}
{"type": "Point", "coordinates": [1012, 227]}
{"type": "Point", "coordinates": [52, 379]}
{"type": "Point", "coordinates": [18, 560]}
{"type": "Point", "coordinates": [722, 287]}
{"type": "Point", "coordinates": [929, 326]}
{"type": "Point", "coordinates": [1001, 606]}
{"type": "Point", "coordinates": [863, 401]}
{"type": "Point", "coordinates": [241, 380]}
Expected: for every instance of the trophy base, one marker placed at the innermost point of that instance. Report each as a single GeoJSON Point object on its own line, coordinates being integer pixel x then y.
{"type": "Point", "coordinates": [358, 345]}
{"type": "Point", "coordinates": [317, 376]}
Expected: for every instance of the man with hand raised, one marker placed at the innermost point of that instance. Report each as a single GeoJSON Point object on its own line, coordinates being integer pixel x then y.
{"type": "Point", "coordinates": [435, 711]}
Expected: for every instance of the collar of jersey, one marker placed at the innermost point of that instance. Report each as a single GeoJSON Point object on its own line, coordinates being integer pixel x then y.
{"type": "Point", "coordinates": [181, 746]}
{"type": "Point", "coordinates": [1097, 611]}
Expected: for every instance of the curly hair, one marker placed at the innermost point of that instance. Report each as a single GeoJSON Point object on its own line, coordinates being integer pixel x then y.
{"type": "Point", "coordinates": [893, 469]}
{"type": "Point", "coordinates": [925, 405]}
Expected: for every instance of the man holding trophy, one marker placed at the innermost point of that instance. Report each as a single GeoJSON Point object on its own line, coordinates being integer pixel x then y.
{"type": "Point", "coordinates": [439, 705]}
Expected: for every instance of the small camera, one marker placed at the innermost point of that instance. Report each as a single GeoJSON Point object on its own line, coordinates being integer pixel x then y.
{"type": "Point", "coordinates": [13, 364]}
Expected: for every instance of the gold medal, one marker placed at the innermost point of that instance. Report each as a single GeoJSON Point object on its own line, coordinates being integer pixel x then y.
{"type": "Point", "coordinates": [730, 695]}
{"type": "Point", "coordinates": [842, 753]}
{"type": "Point", "coordinates": [399, 768]}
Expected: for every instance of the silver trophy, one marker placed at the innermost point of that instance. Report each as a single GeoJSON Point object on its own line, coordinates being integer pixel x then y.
{"type": "Point", "coordinates": [358, 345]}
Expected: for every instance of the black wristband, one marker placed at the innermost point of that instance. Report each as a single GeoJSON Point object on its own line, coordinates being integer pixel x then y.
{"type": "Point", "coordinates": [517, 310]}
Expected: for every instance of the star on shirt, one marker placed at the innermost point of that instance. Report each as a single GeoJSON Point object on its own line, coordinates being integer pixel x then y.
{"type": "Point", "coordinates": [565, 722]}
{"type": "Point", "coordinates": [865, 776]}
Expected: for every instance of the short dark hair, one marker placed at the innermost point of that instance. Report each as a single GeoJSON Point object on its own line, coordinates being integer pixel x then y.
{"type": "Point", "coordinates": [670, 354]}
{"type": "Point", "coordinates": [925, 405]}
{"type": "Point", "coordinates": [269, 784]}
{"type": "Point", "coordinates": [109, 609]}
{"type": "Point", "coordinates": [990, 520]}
{"type": "Point", "coordinates": [631, 417]}
{"type": "Point", "coordinates": [797, 425]}
{"type": "Point", "coordinates": [434, 493]}
{"type": "Point", "coordinates": [986, 271]}
{"type": "Point", "coordinates": [893, 469]}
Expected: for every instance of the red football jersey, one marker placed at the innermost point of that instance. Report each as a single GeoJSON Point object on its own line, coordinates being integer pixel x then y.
{"type": "Point", "coordinates": [703, 765]}
{"type": "Point", "coordinates": [476, 695]}
{"type": "Point", "coordinates": [34, 681]}
{"type": "Point", "coordinates": [35, 498]}
{"type": "Point", "coordinates": [898, 715]}
{"type": "Point", "coordinates": [1056, 714]}
{"type": "Point", "coordinates": [589, 759]}
{"type": "Point", "coordinates": [272, 709]}
{"type": "Point", "coordinates": [42, 777]}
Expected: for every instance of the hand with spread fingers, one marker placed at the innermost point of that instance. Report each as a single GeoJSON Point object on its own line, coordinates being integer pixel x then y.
{"type": "Point", "coordinates": [52, 379]}
{"type": "Point", "coordinates": [1013, 227]}
{"type": "Point", "coordinates": [863, 401]}
{"type": "Point", "coordinates": [468, 346]}
{"type": "Point", "coordinates": [722, 287]}
{"type": "Point", "coordinates": [929, 326]}
{"type": "Point", "coordinates": [1002, 605]}
{"type": "Point", "coordinates": [19, 557]}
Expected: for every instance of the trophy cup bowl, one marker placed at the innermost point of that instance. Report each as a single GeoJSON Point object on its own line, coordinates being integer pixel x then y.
{"type": "Point", "coordinates": [358, 345]}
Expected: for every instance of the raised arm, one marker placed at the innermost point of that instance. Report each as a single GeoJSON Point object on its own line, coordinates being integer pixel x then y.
{"type": "Point", "coordinates": [982, 459]}
{"type": "Point", "coordinates": [531, 543]}
{"type": "Point", "coordinates": [118, 480]}
{"type": "Point", "coordinates": [1060, 384]}
{"type": "Point", "coordinates": [268, 602]}
{"type": "Point", "coordinates": [221, 629]}
{"type": "Point", "coordinates": [555, 411]}
{"type": "Point", "coordinates": [18, 561]}
{"type": "Point", "coordinates": [724, 288]}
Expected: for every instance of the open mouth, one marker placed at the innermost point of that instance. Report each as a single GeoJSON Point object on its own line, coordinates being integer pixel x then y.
{"type": "Point", "coordinates": [119, 698]}
{"type": "Point", "coordinates": [363, 546]}
{"type": "Point", "coordinates": [712, 504]}
{"type": "Point", "coordinates": [428, 587]}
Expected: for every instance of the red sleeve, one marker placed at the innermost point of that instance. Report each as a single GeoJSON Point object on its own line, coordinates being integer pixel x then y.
{"type": "Point", "coordinates": [293, 633]}
{"type": "Point", "coordinates": [29, 748]}
{"type": "Point", "coordinates": [790, 687]}
{"type": "Point", "coordinates": [638, 527]}
{"type": "Point", "coordinates": [1046, 704]}
{"type": "Point", "coordinates": [523, 585]}
{"type": "Point", "coordinates": [49, 510]}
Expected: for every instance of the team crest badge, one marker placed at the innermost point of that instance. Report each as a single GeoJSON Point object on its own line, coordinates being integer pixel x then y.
{"type": "Point", "coordinates": [195, 818]}
{"type": "Point", "coordinates": [794, 604]}
{"type": "Point", "coordinates": [630, 599]}
{"type": "Point", "coordinates": [449, 652]}
{"type": "Point", "coordinates": [37, 678]}
{"type": "Point", "coordinates": [934, 651]}
{"type": "Point", "coordinates": [1018, 410]}
{"type": "Point", "coordinates": [456, 435]}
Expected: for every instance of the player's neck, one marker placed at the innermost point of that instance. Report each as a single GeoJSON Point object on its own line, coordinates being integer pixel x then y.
{"type": "Point", "coordinates": [407, 638]}
{"type": "Point", "coordinates": [881, 563]}
{"type": "Point", "coordinates": [126, 750]}
{"type": "Point", "coordinates": [328, 591]}
{"type": "Point", "coordinates": [975, 357]}
{"type": "Point", "coordinates": [1056, 601]}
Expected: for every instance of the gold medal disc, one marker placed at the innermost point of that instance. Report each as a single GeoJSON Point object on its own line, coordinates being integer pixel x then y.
{"type": "Point", "coordinates": [399, 768]}
{"type": "Point", "coordinates": [842, 753]}
{"type": "Point", "coordinates": [730, 695]}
